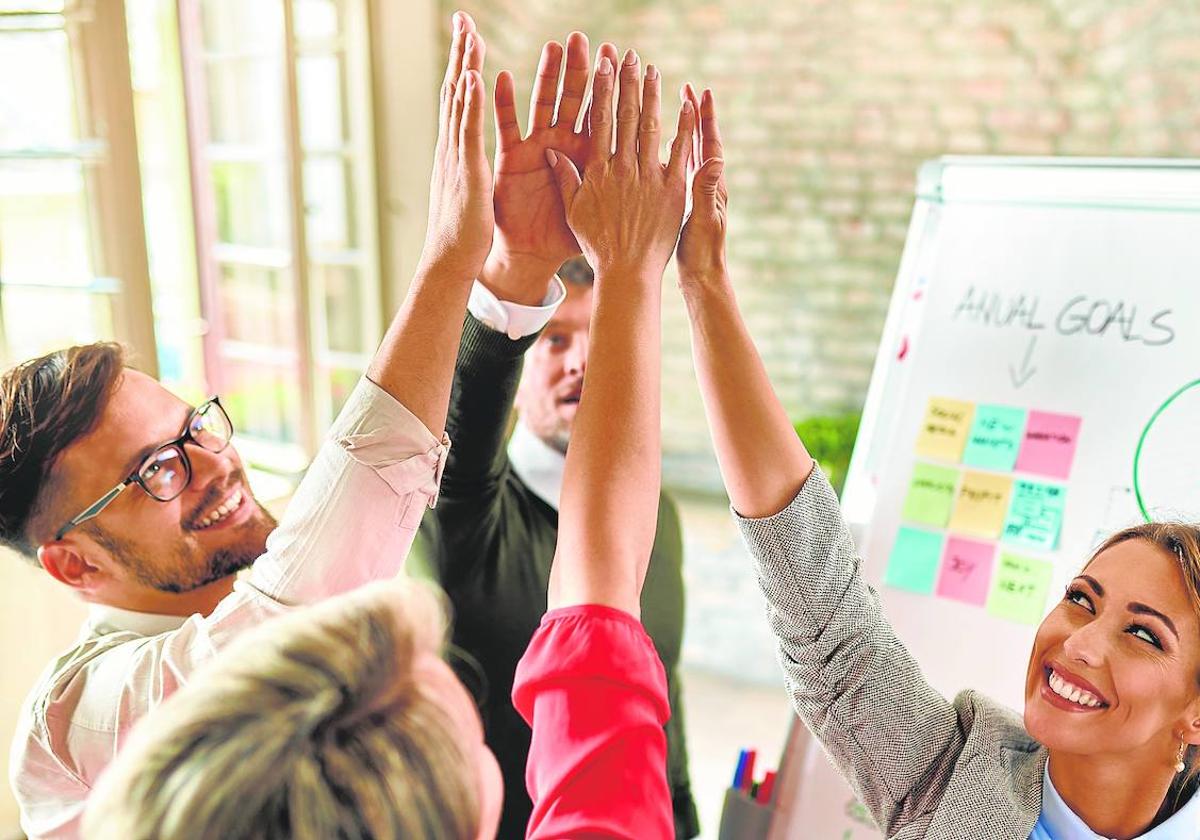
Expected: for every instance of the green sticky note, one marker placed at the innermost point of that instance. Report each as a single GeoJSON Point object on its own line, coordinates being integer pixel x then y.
{"type": "Point", "coordinates": [1035, 515]}
{"type": "Point", "coordinates": [995, 437]}
{"type": "Point", "coordinates": [930, 495]}
{"type": "Point", "coordinates": [1019, 588]}
{"type": "Point", "coordinates": [913, 564]}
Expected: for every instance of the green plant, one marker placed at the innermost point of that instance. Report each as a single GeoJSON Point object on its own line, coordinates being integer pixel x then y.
{"type": "Point", "coordinates": [830, 440]}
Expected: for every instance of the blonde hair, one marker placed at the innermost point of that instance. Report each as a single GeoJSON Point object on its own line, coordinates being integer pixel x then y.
{"type": "Point", "coordinates": [1182, 540]}
{"type": "Point", "coordinates": [312, 727]}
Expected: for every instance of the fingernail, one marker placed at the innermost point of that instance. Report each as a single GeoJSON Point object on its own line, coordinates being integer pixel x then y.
{"type": "Point", "coordinates": [470, 41]}
{"type": "Point", "coordinates": [605, 66]}
{"type": "Point", "coordinates": [630, 58]}
{"type": "Point", "coordinates": [651, 72]}
{"type": "Point", "coordinates": [552, 157]}
{"type": "Point", "coordinates": [458, 22]}
{"type": "Point", "coordinates": [687, 106]}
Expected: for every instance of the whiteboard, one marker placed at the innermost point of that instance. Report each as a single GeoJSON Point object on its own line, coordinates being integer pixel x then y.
{"type": "Point", "coordinates": [1052, 291]}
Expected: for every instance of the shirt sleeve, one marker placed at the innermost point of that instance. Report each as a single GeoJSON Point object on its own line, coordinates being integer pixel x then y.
{"type": "Point", "coordinates": [852, 681]}
{"type": "Point", "coordinates": [514, 319]}
{"type": "Point", "coordinates": [594, 691]}
{"type": "Point", "coordinates": [354, 516]}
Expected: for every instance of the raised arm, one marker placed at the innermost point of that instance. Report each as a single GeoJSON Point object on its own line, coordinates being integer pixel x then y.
{"type": "Point", "coordinates": [415, 361]}
{"type": "Point", "coordinates": [762, 460]}
{"type": "Point", "coordinates": [851, 680]}
{"type": "Point", "coordinates": [625, 211]}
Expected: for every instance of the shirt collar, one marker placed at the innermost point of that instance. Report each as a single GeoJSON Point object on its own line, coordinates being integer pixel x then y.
{"type": "Point", "coordinates": [108, 619]}
{"type": "Point", "coordinates": [537, 463]}
{"type": "Point", "coordinates": [1063, 824]}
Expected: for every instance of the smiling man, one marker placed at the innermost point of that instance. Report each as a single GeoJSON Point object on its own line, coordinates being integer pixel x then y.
{"type": "Point", "coordinates": [138, 503]}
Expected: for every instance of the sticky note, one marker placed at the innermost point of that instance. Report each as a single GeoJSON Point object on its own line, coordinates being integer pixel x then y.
{"type": "Point", "coordinates": [944, 429]}
{"type": "Point", "coordinates": [995, 437]}
{"type": "Point", "coordinates": [913, 564]}
{"type": "Point", "coordinates": [966, 570]}
{"type": "Point", "coordinates": [1019, 588]}
{"type": "Point", "coordinates": [1035, 515]}
{"type": "Point", "coordinates": [930, 495]}
{"type": "Point", "coordinates": [981, 504]}
{"type": "Point", "coordinates": [1048, 447]}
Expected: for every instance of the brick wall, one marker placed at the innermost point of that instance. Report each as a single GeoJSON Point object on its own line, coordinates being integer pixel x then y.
{"type": "Point", "coordinates": [828, 108]}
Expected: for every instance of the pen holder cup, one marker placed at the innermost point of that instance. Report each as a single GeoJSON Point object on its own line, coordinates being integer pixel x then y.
{"type": "Point", "coordinates": [744, 819]}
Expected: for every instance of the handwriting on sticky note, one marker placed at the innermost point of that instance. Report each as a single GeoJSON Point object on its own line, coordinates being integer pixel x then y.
{"type": "Point", "coordinates": [1048, 447]}
{"type": "Point", "coordinates": [944, 429]}
{"type": "Point", "coordinates": [913, 564]}
{"type": "Point", "coordinates": [1035, 515]}
{"type": "Point", "coordinates": [1019, 588]}
{"type": "Point", "coordinates": [995, 437]}
{"type": "Point", "coordinates": [981, 504]}
{"type": "Point", "coordinates": [930, 495]}
{"type": "Point", "coordinates": [966, 570]}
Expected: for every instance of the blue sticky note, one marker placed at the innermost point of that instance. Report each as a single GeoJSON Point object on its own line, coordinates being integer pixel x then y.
{"type": "Point", "coordinates": [913, 564]}
{"type": "Point", "coordinates": [995, 437]}
{"type": "Point", "coordinates": [1035, 515]}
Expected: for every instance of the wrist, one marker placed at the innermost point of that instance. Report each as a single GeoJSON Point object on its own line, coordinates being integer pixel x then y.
{"type": "Point", "coordinates": [706, 290]}
{"type": "Point", "coordinates": [517, 278]}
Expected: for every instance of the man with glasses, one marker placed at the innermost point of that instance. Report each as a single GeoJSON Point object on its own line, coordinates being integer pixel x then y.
{"type": "Point", "coordinates": [138, 503]}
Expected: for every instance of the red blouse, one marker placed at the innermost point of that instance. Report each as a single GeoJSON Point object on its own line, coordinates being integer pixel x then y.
{"type": "Point", "coordinates": [594, 691]}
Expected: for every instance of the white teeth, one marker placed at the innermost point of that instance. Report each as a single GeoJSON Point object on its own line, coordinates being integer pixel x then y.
{"type": "Point", "coordinates": [223, 510]}
{"type": "Point", "coordinates": [1071, 692]}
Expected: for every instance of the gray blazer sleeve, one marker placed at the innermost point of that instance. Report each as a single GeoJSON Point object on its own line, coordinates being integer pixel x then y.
{"type": "Point", "coordinates": [892, 736]}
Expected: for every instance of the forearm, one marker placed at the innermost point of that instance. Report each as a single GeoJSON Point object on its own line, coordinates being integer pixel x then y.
{"type": "Point", "coordinates": [612, 479]}
{"type": "Point", "coordinates": [415, 361]}
{"type": "Point", "coordinates": [762, 460]}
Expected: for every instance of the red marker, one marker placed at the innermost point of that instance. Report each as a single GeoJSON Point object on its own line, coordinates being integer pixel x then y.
{"type": "Point", "coordinates": [748, 774]}
{"type": "Point", "coordinates": [765, 789]}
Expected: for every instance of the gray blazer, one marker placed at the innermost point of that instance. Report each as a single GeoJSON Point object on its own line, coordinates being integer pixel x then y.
{"type": "Point", "coordinates": [923, 767]}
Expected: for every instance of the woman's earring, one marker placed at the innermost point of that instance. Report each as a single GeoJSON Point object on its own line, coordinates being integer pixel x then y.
{"type": "Point", "coordinates": [1179, 765]}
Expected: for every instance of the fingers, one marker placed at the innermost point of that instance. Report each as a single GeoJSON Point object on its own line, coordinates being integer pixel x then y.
{"type": "Point", "coordinates": [708, 181]}
{"type": "Point", "coordinates": [682, 145]}
{"type": "Point", "coordinates": [508, 130]}
{"type": "Point", "coordinates": [650, 127]}
{"type": "Point", "coordinates": [600, 118]}
{"type": "Point", "coordinates": [575, 79]}
{"type": "Point", "coordinates": [710, 132]}
{"type": "Point", "coordinates": [545, 86]}
{"type": "Point", "coordinates": [689, 93]}
{"type": "Point", "coordinates": [566, 176]}
{"type": "Point", "coordinates": [470, 142]}
{"type": "Point", "coordinates": [461, 25]}
{"type": "Point", "coordinates": [628, 109]}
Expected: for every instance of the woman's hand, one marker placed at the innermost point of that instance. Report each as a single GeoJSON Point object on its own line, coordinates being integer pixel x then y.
{"type": "Point", "coordinates": [627, 207]}
{"type": "Point", "coordinates": [461, 218]}
{"type": "Point", "coordinates": [701, 251]}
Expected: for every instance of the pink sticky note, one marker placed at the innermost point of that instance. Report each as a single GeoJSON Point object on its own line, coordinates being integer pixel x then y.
{"type": "Point", "coordinates": [1049, 444]}
{"type": "Point", "coordinates": [966, 570]}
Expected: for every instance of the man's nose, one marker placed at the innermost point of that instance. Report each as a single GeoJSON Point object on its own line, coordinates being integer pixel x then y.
{"type": "Point", "coordinates": [577, 356]}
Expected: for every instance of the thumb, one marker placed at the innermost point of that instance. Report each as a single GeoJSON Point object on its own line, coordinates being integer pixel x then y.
{"type": "Point", "coordinates": [566, 176]}
{"type": "Point", "coordinates": [708, 178]}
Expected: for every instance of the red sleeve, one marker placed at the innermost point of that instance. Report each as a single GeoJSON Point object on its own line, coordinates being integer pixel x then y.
{"type": "Point", "coordinates": [595, 693]}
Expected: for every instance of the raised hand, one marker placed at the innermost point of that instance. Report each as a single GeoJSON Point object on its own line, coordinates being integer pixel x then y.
{"type": "Point", "coordinates": [461, 217]}
{"type": "Point", "coordinates": [532, 236]}
{"type": "Point", "coordinates": [627, 207]}
{"type": "Point", "coordinates": [701, 251]}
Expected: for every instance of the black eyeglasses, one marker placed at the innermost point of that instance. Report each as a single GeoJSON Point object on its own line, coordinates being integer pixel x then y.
{"type": "Point", "coordinates": [166, 472]}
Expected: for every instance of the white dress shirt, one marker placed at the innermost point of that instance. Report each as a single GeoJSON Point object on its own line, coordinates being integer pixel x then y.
{"type": "Point", "coordinates": [514, 319]}
{"type": "Point", "coordinates": [351, 521]}
{"type": "Point", "coordinates": [1058, 822]}
{"type": "Point", "coordinates": [537, 463]}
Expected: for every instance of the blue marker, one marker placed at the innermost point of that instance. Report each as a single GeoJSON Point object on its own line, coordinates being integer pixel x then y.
{"type": "Point", "coordinates": [741, 769]}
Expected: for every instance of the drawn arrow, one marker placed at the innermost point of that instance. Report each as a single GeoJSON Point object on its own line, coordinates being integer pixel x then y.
{"type": "Point", "coordinates": [1019, 378]}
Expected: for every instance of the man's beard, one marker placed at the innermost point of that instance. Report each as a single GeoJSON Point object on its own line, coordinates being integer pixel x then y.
{"type": "Point", "coordinates": [183, 574]}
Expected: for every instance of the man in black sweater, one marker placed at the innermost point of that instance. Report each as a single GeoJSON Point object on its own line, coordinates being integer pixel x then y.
{"type": "Point", "coordinates": [490, 541]}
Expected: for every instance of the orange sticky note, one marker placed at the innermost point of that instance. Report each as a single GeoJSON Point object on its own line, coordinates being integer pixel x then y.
{"type": "Point", "coordinates": [981, 504]}
{"type": "Point", "coordinates": [944, 429]}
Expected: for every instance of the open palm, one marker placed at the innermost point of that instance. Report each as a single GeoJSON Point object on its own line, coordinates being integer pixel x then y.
{"type": "Point", "coordinates": [530, 221]}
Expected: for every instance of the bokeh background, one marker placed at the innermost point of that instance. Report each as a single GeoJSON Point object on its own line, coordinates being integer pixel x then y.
{"type": "Point", "coordinates": [237, 190]}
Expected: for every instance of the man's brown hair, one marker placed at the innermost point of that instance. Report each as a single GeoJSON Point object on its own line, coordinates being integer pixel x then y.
{"type": "Point", "coordinates": [46, 404]}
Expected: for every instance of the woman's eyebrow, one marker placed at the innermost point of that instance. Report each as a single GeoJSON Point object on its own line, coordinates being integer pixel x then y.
{"type": "Point", "coordinates": [1142, 609]}
{"type": "Point", "coordinates": [1095, 584]}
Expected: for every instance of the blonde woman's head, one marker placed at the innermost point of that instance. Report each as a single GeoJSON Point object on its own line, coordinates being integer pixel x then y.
{"type": "Point", "coordinates": [335, 721]}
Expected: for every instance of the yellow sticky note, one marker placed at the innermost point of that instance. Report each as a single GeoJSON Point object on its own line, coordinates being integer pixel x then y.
{"type": "Point", "coordinates": [981, 504]}
{"type": "Point", "coordinates": [945, 428]}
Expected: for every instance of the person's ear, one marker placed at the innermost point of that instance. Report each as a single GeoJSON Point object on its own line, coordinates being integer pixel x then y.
{"type": "Point", "coordinates": [64, 561]}
{"type": "Point", "coordinates": [1190, 726]}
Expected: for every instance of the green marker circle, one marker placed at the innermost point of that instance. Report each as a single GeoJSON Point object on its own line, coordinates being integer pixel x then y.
{"type": "Point", "coordinates": [1137, 454]}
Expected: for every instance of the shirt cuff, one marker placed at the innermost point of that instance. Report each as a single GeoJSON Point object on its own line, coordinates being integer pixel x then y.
{"type": "Point", "coordinates": [378, 431]}
{"type": "Point", "coordinates": [514, 319]}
